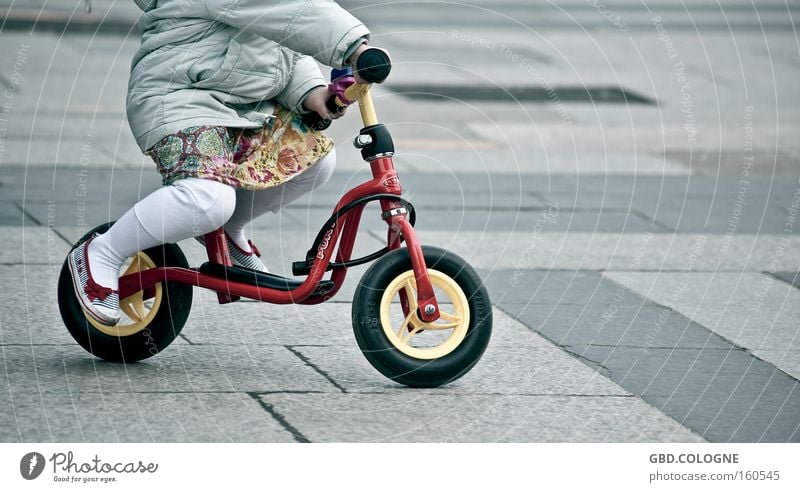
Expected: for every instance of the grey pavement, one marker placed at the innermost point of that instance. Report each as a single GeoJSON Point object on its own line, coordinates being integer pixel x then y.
{"type": "Point", "coordinates": [626, 181]}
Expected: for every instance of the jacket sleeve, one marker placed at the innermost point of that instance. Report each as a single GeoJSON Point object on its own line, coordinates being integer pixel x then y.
{"type": "Point", "coordinates": [318, 28]}
{"type": "Point", "coordinates": [305, 76]}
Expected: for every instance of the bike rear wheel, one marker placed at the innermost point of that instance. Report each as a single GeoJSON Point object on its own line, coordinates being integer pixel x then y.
{"type": "Point", "coordinates": [151, 319]}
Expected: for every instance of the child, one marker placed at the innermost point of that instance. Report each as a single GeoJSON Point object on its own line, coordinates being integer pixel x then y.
{"type": "Point", "coordinates": [215, 97]}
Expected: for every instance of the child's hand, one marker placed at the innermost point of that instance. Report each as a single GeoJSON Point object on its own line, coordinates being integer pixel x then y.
{"type": "Point", "coordinates": [315, 101]}
{"type": "Point", "coordinates": [352, 60]}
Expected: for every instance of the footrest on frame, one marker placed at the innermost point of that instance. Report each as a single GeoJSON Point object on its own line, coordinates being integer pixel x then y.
{"type": "Point", "coordinates": [260, 279]}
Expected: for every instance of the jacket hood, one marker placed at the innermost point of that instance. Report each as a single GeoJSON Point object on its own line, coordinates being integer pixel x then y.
{"type": "Point", "coordinates": [146, 5]}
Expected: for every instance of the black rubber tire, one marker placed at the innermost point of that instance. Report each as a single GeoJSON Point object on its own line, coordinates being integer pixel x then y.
{"type": "Point", "coordinates": [380, 351]}
{"type": "Point", "coordinates": [168, 322]}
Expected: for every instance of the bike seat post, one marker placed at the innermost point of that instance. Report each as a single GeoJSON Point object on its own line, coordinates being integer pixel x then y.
{"type": "Point", "coordinates": [217, 250]}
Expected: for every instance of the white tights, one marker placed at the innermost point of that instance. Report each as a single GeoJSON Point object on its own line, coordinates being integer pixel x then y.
{"type": "Point", "coordinates": [193, 207]}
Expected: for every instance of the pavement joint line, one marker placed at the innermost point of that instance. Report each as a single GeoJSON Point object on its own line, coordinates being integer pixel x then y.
{"type": "Point", "coordinates": [310, 345]}
{"type": "Point", "coordinates": [109, 153]}
{"type": "Point", "coordinates": [445, 394]}
{"type": "Point", "coordinates": [17, 137]}
{"type": "Point", "coordinates": [199, 392]}
{"type": "Point", "coordinates": [651, 220]}
{"type": "Point", "coordinates": [656, 348]}
{"type": "Point", "coordinates": [33, 20]}
{"type": "Point", "coordinates": [374, 234]}
{"type": "Point", "coordinates": [185, 338]}
{"type": "Point", "coordinates": [239, 344]}
{"type": "Point", "coordinates": [270, 409]}
{"type": "Point", "coordinates": [28, 215]}
{"type": "Point", "coordinates": [391, 391]}
{"type": "Point", "coordinates": [310, 364]}
{"type": "Point", "coordinates": [605, 371]}
{"type": "Point", "coordinates": [36, 344]}
{"type": "Point", "coordinates": [39, 224]}
{"type": "Point", "coordinates": [20, 263]}
{"type": "Point", "coordinates": [71, 111]}
{"type": "Point", "coordinates": [794, 283]}
{"type": "Point", "coordinates": [195, 392]}
{"type": "Point", "coordinates": [251, 301]}
{"type": "Point", "coordinates": [63, 237]}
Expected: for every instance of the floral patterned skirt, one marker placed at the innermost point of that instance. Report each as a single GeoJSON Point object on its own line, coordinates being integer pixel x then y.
{"type": "Point", "coordinates": [253, 159]}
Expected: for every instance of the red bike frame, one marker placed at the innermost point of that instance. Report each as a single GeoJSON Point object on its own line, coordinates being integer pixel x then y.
{"type": "Point", "coordinates": [342, 232]}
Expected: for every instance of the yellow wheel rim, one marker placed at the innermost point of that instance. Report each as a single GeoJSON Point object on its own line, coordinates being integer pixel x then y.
{"type": "Point", "coordinates": [406, 335]}
{"type": "Point", "coordinates": [137, 311]}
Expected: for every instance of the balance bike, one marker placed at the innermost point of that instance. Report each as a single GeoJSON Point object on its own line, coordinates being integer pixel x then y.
{"type": "Point", "coordinates": [421, 315]}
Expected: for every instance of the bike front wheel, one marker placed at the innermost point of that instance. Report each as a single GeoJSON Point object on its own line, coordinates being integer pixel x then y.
{"type": "Point", "coordinates": [398, 343]}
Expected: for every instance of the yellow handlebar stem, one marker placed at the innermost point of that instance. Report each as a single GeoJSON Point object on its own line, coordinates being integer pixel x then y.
{"type": "Point", "coordinates": [360, 93]}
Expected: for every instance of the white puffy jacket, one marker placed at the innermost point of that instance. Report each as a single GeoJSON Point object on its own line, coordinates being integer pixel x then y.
{"type": "Point", "coordinates": [226, 62]}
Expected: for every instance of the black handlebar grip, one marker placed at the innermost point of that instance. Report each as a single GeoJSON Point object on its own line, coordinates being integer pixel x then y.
{"type": "Point", "coordinates": [317, 122]}
{"type": "Point", "coordinates": [374, 65]}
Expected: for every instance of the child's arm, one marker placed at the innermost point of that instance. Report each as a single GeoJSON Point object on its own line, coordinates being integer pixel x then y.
{"type": "Point", "coordinates": [305, 77]}
{"type": "Point", "coordinates": [307, 89]}
{"type": "Point", "coordinates": [319, 28]}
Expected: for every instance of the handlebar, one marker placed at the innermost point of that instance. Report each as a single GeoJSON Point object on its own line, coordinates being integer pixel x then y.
{"type": "Point", "coordinates": [373, 66]}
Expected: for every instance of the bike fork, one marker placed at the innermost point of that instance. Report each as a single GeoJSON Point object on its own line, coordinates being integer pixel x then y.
{"type": "Point", "coordinates": [428, 308]}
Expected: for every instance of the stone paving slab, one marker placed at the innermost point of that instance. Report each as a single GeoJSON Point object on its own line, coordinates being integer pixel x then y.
{"type": "Point", "coordinates": [583, 308]}
{"type": "Point", "coordinates": [668, 355]}
{"type": "Point", "coordinates": [751, 310]}
{"type": "Point", "coordinates": [636, 200]}
{"type": "Point", "coordinates": [449, 198]}
{"type": "Point", "coordinates": [639, 325]}
{"type": "Point", "coordinates": [690, 204]}
{"type": "Point", "coordinates": [723, 395]}
{"type": "Point", "coordinates": [434, 219]}
{"type": "Point", "coordinates": [80, 217]}
{"type": "Point", "coordinates": [608, 251]}
{"type": "Point", "coordinates": [12, 216]}
{"type": "Point", "coordinates": [104, 128]}
{"type": "Point", "coordinates": [792, 278]}
{"type": "Point", "coordinates": [32, 245]}
{"type": "Point", "coordinates": [80, 90]}
{"type": "Point", "coordinates": [407, 417]}
{"type": "Point", "coordinates": [137, 417]}
{"type": "Point", "coordinates": [254, 324]}
{"type": "Point", "coordinates": [66, 154]}
{"type": "Point", "coordinates": [569, 152]}
{"type": "Point", "coordinates": [179, 368]}
{"type": "Point", "coordinates": [554, 158]}
{"type": "Point", "coordinates": [42, 51]}
{"type": "Point", "coordinates": [503, 370]}
{"type": "Point", "coordinates": [23, 320]}
{"type": "Point", "coordinates": [545, 289]}
{"type": "Point", "coordinates": [786, 360]}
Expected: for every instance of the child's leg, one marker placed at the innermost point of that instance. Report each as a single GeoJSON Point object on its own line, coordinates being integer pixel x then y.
{"type": "Point", "coordinates": [252, 204]}
{"type": "Point", "coordinates": [190, 207]}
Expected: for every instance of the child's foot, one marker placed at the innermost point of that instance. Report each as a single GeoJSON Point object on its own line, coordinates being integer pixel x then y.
{"type": "Point", "coordinates": [101, 303]}
{"type": "Point", "coordinates": [241, 258]}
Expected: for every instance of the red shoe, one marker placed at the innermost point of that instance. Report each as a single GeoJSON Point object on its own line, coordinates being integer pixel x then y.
{"type": "Point", "coordinates": [101, 303]}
